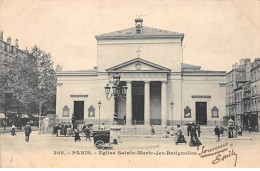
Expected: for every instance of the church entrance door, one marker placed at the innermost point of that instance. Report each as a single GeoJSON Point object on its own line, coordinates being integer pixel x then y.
{"type": "Point", "coordinates": [138, 102]}
{"type": "Point", "coordinates": [201, 113]}
{"type": "Point", "coordinates": [79, 111]}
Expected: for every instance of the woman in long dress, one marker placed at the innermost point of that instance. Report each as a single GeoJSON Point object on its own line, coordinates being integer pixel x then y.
{"type": "Point", "coordinates": [13, 130]}
{"type": "Point", "coordinates": [194, 140]}
{"type": "Point", "coordinates": [179, 138]}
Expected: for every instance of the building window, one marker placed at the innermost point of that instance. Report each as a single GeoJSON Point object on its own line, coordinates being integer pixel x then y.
{"type": "Point", "coordinates": [66, 111]}
{"type": "Point", "coordinates": [187, 112]}
{"type": "Point", "coordinates": [91, 111]}
{"type": "Point", "coordinates": [214, 112]}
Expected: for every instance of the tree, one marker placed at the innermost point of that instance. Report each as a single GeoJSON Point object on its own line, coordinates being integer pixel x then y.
{"type": "Point", "coordinates": [46, 90]}
{"type": "Point", "coordinates": [8, 83]}
{"type": "Point", "coordinates": [26, 80]}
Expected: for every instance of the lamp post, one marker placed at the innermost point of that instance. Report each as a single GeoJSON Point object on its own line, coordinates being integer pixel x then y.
{"type": "Point", "coordinates": [118, 91]}
{"type": "Point", "coordinates": [172, 104]}
{"type": "Point", "coordinates": [99, 105]}
{"type": "Point", "coordinates": [40, 113]}
{"type": "Point", "coordinates": [40, 106]}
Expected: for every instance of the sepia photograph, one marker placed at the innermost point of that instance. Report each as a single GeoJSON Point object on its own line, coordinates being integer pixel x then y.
{"type": "Point", "coordinates": [129, 84]}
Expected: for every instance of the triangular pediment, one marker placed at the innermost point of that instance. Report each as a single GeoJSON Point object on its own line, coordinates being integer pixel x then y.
{"type": "Point", "coordinates": [138, 65]}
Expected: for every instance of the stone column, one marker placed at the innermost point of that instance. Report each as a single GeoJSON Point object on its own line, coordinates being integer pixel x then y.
{"type": "Point", "coordinates": [129, 103]}
{"type": "Point", "coordinates": [147, 103]}
{"type": "Point", "coordinates": [164, 103]}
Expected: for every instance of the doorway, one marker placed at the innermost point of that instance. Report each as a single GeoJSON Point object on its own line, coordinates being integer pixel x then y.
{"type": "Point", "coordinates": [201, 113]}
{"type": "Point", "coordinates": [79, 110]}
{"type": "Point", "coordinates": [138, 102]}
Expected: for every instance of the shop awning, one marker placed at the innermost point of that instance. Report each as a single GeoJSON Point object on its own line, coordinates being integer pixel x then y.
{"type": "Point", "coordinates": [25, 116]}
{"type": "Point", "coordinates": [37, 116]}
{"type": "Point", "coordinates": [2, 115]}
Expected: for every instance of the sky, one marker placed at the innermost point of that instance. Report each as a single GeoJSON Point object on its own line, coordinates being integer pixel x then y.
{"type": "Point", "coordinates": [218, 33]}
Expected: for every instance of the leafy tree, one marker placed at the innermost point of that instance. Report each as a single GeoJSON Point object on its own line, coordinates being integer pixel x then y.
{"type": "Point", "coordinates": [46, 90]}
{"type": "Point", "coordinates": [26, 81]}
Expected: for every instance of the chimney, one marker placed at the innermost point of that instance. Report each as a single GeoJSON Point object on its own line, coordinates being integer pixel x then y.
{"type": "Point", "coordinates": [139, 25]}
{"type": "Point", "coordinates": [16, 43]}
{"type": "Point", "coordinates": [242, 62]}
{"type": "Point", "coordinates": [248, 69]}
{"type": "Point", "coordinates": [9, 40]}
{"type": "Point", "coordinates": [236, 65]}
{"type": "Point", "coordinates": [1, 35]}
{"type": "Point", "coordinates": [233, 66]}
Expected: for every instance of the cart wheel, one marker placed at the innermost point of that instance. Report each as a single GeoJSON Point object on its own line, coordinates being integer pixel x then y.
{"type": "Point", "coordinates": [100, 144]}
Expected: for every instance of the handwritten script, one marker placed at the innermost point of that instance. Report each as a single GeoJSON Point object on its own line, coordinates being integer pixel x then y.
{"type": "Point", "coordinates": [220, 152]}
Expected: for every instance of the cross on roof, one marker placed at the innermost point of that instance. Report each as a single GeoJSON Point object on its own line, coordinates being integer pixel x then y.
{"type": "Point", "coordinates": [138, 53]}
{"type": "Point", "coordinates": [140, 15]}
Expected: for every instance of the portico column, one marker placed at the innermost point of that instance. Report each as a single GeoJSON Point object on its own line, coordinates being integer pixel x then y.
{"type": "Point", "coordinates": [129, 103]}
{"type": "Point", "coordinates": [147, 102]}
{"type": "Point", "coordinates": [164, 103]}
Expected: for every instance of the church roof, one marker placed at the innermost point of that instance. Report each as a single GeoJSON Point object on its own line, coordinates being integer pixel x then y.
{"type": "Point", "coordinates": [189, 66]}
{"type": "Point", "coordinates": [189, 69]}
{"type": "Point", "coordinates": [91, 72]}
{"type": "Point", "coordinates": [147, 32]}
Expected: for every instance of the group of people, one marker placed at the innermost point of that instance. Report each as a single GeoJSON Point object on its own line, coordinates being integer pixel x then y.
{"type": "Point", "coordinates": [193, 131]}
{"type": "Point", "coordinates": [27, 130]}
{"type": "Point", "coordinates": [68, 129]}
{"type": "Point", "coordinates": [62, 128]}
{"type": "Point", "coordinates": [233, 132]}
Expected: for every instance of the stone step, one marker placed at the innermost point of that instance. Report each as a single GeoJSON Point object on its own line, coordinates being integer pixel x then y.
{"type": "Point", "coordinates": [159, 130]}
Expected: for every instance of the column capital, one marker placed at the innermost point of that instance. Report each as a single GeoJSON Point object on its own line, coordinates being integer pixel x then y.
{"type": "Point", "coordinates": [128, 81]}
{"type": "Point", "coordinates": [164, 81]}
{"type": "Point", "coordinates": [147, 81]}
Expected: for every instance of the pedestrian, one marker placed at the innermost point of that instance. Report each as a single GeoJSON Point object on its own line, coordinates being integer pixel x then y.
{"type": "Point", "coordinates": [230, 131]}
{"type": "Point", "coordinates": [69, 129]}
{"type": "Point", "coordinates": [102, 127]}
{"type": "Point", "coordinates": [152, 130]}
{"type": "Point", "coordinates": [194, 140]}
{"type": "Point", "coordinates": [77, 137]}
{"type": "Point", "coordinates": [249, 129]}
{"type": "Point", "coordinates": [221, 131]}
{"type": "Point", "coordinates": [198, 128]}
{"type": "Point", "coordinates": [172, 132]}
{"type": "Point", "coordinates": [240, 130]}
{"type": "Point", "coordinates": [13, 130]}
{"type": "Point", "coordinates": [179, 138]}
{"type": "Point", "coordinates": [189, 128]}
{"type": "Point", "coordinates": [28, 131]}
{"type": "Point", "coordinates": [86, 131]}
{"type": "Point", "coordinates": [91, 130]}
{"type": "Point", "coordinates": [125, 119]}
{"type": "Point", "coordinates": [217, 133]}
{"type": "Point", "coordinates": [165, 133]}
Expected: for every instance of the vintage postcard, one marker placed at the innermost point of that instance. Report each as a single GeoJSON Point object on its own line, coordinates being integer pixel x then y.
{"type": "Point", "coordinates": [129, 84]}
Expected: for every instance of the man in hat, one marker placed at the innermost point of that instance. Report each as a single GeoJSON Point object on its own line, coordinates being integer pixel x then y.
{"type": "Point", "coordinates": [189, 128]}
{"type": "Point", "coordinates": [28, 131]}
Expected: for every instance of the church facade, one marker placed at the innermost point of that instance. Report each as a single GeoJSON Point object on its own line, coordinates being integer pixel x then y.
{"type": "Point", "coordinates": [161, 89]}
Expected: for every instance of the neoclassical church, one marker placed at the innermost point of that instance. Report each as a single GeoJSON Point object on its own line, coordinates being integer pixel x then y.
{"type": "Point", "coordinates": [156, 87]}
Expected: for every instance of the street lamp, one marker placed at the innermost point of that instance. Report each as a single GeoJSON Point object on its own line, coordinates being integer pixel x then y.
{"type": "Point", "coordinates": [99, 105]}
{"type": "Point", "coordinates": [172, 104]}
{"type": "Point", "coordinates": [40, 107]}
{"type": "Point", "coordinates": [118, 91]}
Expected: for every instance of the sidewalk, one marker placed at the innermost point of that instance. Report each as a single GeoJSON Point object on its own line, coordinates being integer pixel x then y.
{"type": "Point", "coordinates": [8, 129]}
